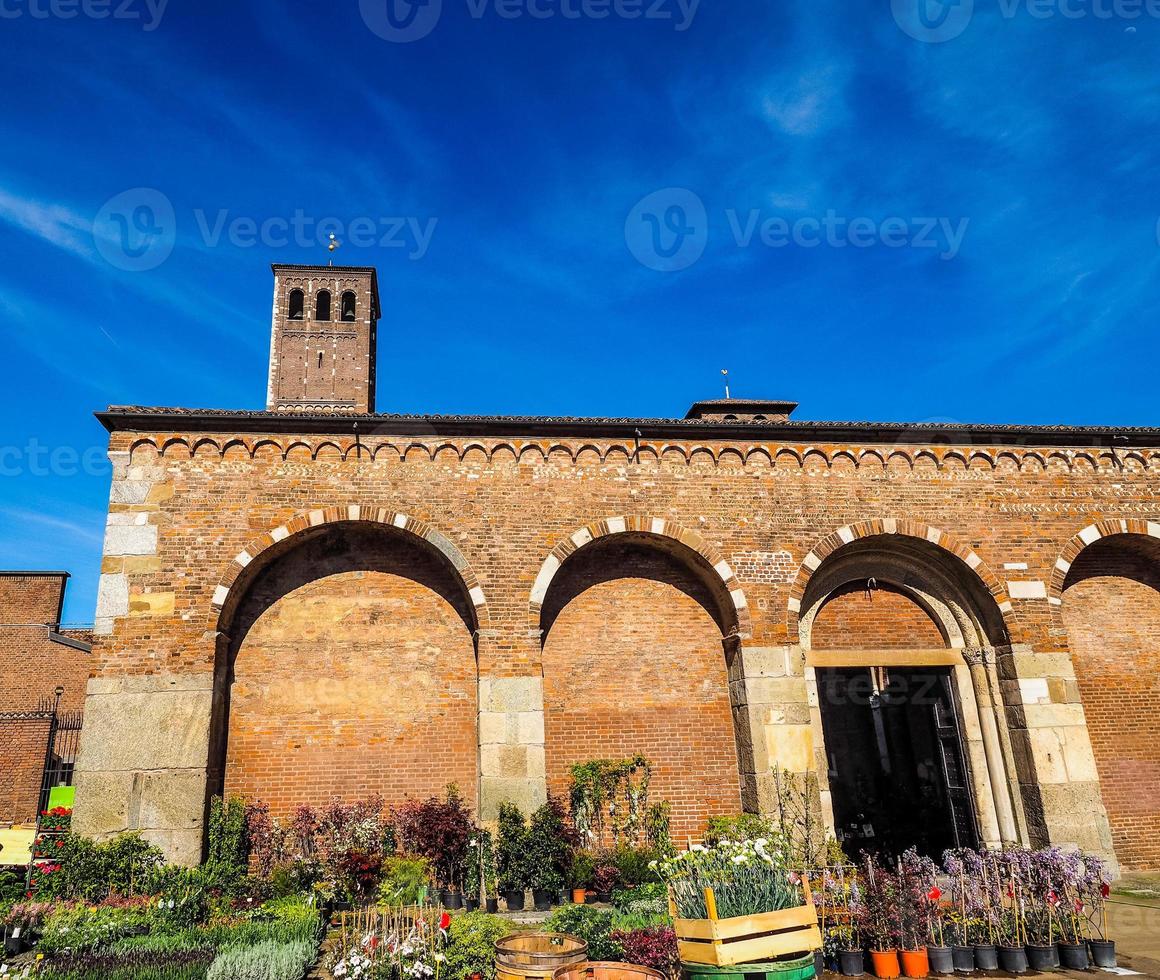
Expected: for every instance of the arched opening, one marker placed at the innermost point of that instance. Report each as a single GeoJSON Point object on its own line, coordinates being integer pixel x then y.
{"type": "Point", "coordinates": [899, 633]}
{"type": "Point", "coordinates": [634, 660]}
{"type": "Point", "coordinates": [322, 305]}
{"type": "Point", "coordinates": [1111, 607]}
{"type": "Point", "coordinates": [349, 304]}
{"type": "Point", "coordinates": [346, 667]}
{"type": "Point", "coordinates": [297, 304]}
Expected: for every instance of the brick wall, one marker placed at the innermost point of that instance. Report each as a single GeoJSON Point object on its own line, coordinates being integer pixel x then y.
{"type": "Point", "coordinates": [633, 662]}
{"type": "Point", "coordinates": [1111, 604]}
{"type": "Point", "coordinates": [357, 676]}
{"type": "Point", "coordinates": [31, 667]}
{"type": "Point", "coordinates": [882, 619]}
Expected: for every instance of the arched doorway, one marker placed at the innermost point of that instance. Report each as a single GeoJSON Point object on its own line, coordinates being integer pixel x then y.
{"type": "Point", "coordinates": [901, 637]}
{"type": "Point", "coordinates": [346, 668]}
{"type": "Point", "coordinates": [1111, 607]}
{"type": "Point", "coordinates": [634, 628]}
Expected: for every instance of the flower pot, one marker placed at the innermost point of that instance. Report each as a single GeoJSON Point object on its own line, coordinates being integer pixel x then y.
{"type": "Point", "coordinates": [590, 898]}
{"type": "Point", "coordinates": [454, 900]}
{"type": "Point", "coordinates": [1013, 959]}
{"type": "Point", "coordinates": [13, 941]}
{"type": "Point", "coordinates": [941, 959]}
{"type": "Point", "coordinates": [604, 897]}
{"type": "Point", "coordinates": [1040, 958]}
{"type": "Point", "coordinates": [851, 962]}
{"type": "Point", "coordinates": [562, 897]}
{"type": "Point", "coordinates": [819, 963]}
{"type": "Point", "coordinates": [471, 904]}
{"type": "Point", "coordinates": [915, 963]}
{"type": "Point", "coordinates": [579, 895]}
{"type": "Point", "coordinates": [884, 963]}
{"type": "Point", "coordinates": [1103, 952]}
{"type": "Point", "coordinates": [964, 957]}
{"type": "Point", "coordinates": [445, 897]}
{"type": "Point", "coordinates": [514, 900]}
{"type": "Point", "coordinates": [987, 956]}
{"type": "Point", "coordinates": [491, 905]}
{"type": "Point", "coordinates": [541, 899]}
{"type": "Point", "coordinates": [1073, 956]}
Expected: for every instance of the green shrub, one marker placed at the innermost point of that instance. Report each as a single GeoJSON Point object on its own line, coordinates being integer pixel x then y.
{"type": "Point", "coordinates": [594, 925]}
{"type": "Point", "coordinates": [81, 928]}
{"type": "Point", "coordinates": [512, 860]}
{"type": "Point", "coordinates": [739, 827]}
{"type": "Point", "coordinates": [11, 887]}
{"type": "Point", "coordinates": [137, 965]}
{"type": "Point", "coordinates": [651, 898]}
{"type": "Point", "coordinates": [228, 841]}
{"type": "Point", "coordinates": [471, 945]}
{"type": "Point", "coordinates": [292, 877]}
{"type": "Point", "coordinates": [264, 961]}
{"type": "Point", "coordinates": [633, 864]}
{"type": "Point", "coordinates": [90, 871]}
{"type": "Point", "coordinates": [406, 880]}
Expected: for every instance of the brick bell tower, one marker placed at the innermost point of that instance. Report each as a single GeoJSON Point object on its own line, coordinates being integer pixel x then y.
{"type": "Point", "coordinates": [322, 341]}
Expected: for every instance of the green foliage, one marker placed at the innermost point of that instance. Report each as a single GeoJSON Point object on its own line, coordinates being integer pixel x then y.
{"type": "Point", "coordinates": [139, 965]}
{"type": "Point", "coordinates": [657, 824]}
{"type": "Point", "coordinates": [609, 799]}
{"type": "Point", "coordinates": [471, 945]}
{"type": "Point", "coordinates": [406, 880]}
{"type": "Point", "coordinates": [265, 961]}
{"type": "Point", "coordinates": [512, 864]}
{"type": "Point", "coordinates": [228, 840]}
{"type": "Point", "coordinates": [738, 827]}
{"type": "Point", "coordinates": [549, 846]}
{"type": "Point", "coordinates": [650, 898]}
{"type": "Point", "coordinates": [293, 877]}
{"type": "Point", "coordinates": [633, 864]}
{"type": "Point", "coordinates": [481, 872]}
{"type": "Point", "coordinates": [592, 924]}
{"type": "Point", "coordinates": [583, 870]}
{"type": "Point", "coordinates": [90, 871]}
{"type": "Point", "coordinates": [81, 928]}
{"type": "Point", "coordinates": [11, 887]}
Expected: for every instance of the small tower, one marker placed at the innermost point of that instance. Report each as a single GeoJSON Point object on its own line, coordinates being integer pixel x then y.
{"type": "Point", "coordinates": [322, 341]}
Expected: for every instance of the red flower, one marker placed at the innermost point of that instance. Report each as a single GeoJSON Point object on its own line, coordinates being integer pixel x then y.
{"type": "Point", "coordinates": [1052, 898]}
{"type": "Point", "coordinates": [1105, 889]}
{"type": "Point", "coordinates": [934, 894]}
{"type": "Point", "coordinates": [444, 921]}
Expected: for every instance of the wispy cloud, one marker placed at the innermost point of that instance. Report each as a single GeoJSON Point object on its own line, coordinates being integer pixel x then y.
{"type": "Point", "coordinates": [53, 223]}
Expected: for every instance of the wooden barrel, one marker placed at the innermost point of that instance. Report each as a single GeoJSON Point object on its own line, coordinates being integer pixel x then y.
{"type": "Point", "coordinates": [607, 971]}
{"type": "Point", "coordinates": [537, 955]}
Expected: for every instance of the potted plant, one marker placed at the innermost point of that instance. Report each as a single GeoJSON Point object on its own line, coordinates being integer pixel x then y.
{"type": "Point", "coordinates": [581, 874]}
{"type": "Point", "coordinates": [841, 943]}
{"type": "Point", "coordinates": [604, 880]}
{"type": "Point", "coordinates": [880, 920]}
{"type": "Point", "coordinates": [916, 876]}
{"type": "Point", "coordinates": [736, 902]}
{"type": "Point", "coordinates": [1103, 950]}
{"type": "Point", "coordinates": [1011, 925]}
{"type": "Point", "coordinates": [512, 856]}
{"type": "Point", "coordinates": [550, 847]}
{"type": "Point", "coordinates": [546, 883]}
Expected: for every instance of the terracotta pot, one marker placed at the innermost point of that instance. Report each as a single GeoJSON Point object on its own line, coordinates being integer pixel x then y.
{"type": "Point", "coordinates": [579, 895]}
{"type": "Point", "coordinates": [915, 963]}
{"type": "Point", "coordinates": [885, 964]}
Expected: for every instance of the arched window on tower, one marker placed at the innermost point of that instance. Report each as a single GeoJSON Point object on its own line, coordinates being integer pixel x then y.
{"type": "Point", "coordinates": [322, 305]}
{"type": "Point", "coordinates": [297, 304]}
{"type": "Point", "coordinates": [348, 306]}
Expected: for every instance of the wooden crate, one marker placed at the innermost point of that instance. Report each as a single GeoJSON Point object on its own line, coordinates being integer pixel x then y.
{"type": "Point", "coordinates": [747, 938]}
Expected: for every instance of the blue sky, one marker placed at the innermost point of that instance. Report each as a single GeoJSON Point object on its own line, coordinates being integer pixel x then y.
{"type": "Point", "coordinates": [523, 136]}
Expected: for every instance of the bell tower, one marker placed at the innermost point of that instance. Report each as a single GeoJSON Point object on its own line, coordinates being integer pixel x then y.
{"type": "Point", "coordinates": [322, 340]}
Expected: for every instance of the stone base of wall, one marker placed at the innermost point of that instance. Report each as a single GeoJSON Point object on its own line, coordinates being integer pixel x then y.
{"type": "Point", "coordinates": [163, 720]}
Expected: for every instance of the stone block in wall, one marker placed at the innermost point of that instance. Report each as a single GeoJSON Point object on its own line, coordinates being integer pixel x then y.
{"type": "Point", "coordinates": [1075, 814]}
{"type": "Point", "coordinates": [527, 794]}
{"type": "Point", "coordinates": [171, 800]}
{"type": "Point", "coordinates": [790, 747]}
{"type": "Point", "coordinates": [511, 694]}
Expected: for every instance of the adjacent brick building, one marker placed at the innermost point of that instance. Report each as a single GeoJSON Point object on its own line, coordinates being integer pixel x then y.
{"type": "Point", "coordinates": [317, 600]}
{"type": "Point", "coordinates": [37, 657]}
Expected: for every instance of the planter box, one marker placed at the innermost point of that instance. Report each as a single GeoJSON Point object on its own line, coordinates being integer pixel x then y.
{"type": "Point", "coordinates": [747, 938]}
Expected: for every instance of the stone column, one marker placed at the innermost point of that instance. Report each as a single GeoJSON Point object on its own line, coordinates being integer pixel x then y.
{"type": "Point", "coordinates": [511, 744]}
{"type": "Point", "coordinates": [771, 716]}
{"type": "Point", "coordinates": [992, 748]}
{"type": "Point", "coordinates": [142, 760]}
{"type": "Point", "coordinates": [1053, 751]}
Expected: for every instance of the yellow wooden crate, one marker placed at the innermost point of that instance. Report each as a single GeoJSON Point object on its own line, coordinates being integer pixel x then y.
{"type": "Point", "coordinates": [747, 938]}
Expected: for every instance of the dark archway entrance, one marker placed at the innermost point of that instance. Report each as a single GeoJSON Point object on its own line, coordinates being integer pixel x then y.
{"type": "Point", "coordinates": [897, 769]}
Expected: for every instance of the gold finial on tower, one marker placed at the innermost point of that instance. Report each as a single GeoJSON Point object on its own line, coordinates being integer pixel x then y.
{"type": "Point", "coordinates": [334, 245]}
{"type": "Point", "coordinates": [725, 374]}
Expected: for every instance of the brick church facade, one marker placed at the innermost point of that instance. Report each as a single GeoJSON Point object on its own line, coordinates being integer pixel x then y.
{"type": "Point", "coordinates": [316, 600]}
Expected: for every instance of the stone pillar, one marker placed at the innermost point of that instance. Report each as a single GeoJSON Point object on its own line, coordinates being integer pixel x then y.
{"type": "Point", "coordinates": [142, 760]}
{"type": "Point", "coordinates": [992, 747]}
{"type": "Point", "coordinates": [1053, 751]}
{"type": "Point", "coordinates": [511, 744]}
{"type": "Point", "coordinates": [771, 717]}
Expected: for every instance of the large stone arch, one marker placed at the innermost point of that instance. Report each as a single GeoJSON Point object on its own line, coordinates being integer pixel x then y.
{"type": "Point", "coordinates": [921, 574]}
{"type": "Point", "coordinates": [346, 662]}
{"type": "Point", "coordinates": [1106, 592]}
{"type": "Point", "coordinates": [640, 624]}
